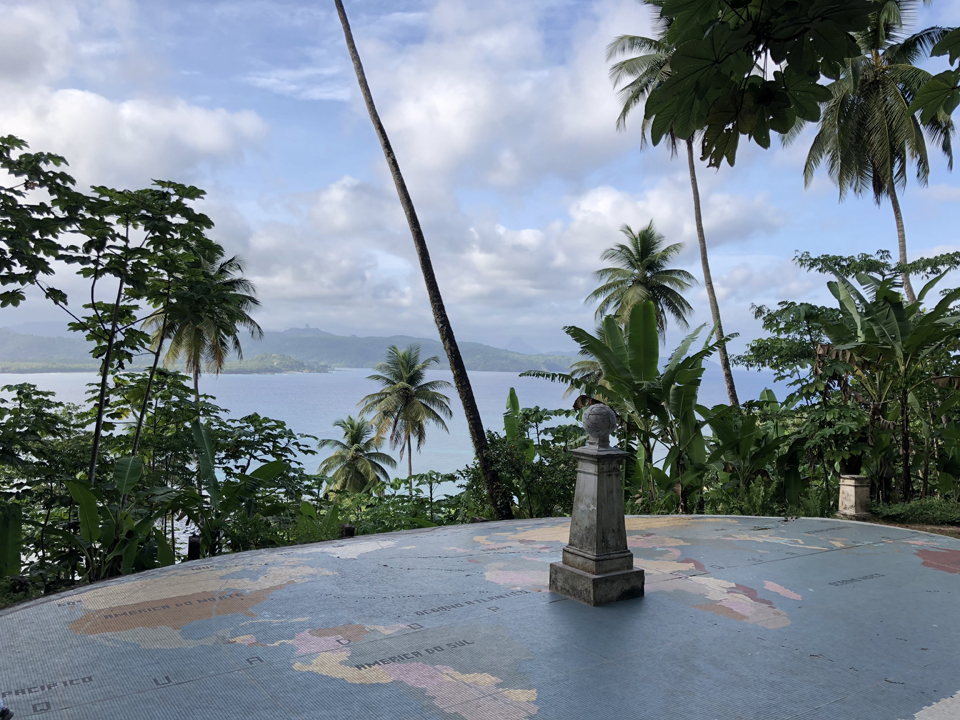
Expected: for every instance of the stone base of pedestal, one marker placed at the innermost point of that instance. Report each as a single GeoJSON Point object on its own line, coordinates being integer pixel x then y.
{"type": "Point", "coordinates": [595, 589]}
{"type": "Point", "coordinates": [854, 501]}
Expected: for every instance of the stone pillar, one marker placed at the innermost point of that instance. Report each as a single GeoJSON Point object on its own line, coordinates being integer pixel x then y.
{"type": "Point", "coordinates": [854, 497]}
{"type": "Point", "coordinates": [597, 566]}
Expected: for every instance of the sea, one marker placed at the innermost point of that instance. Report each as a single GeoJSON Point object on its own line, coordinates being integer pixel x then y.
{"type": "Point", "coordinates": [310, 403]}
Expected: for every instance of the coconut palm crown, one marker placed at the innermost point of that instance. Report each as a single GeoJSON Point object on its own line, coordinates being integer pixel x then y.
{"type": "Point", "coordinates": [646, 65]}
{"type": "Point", "coordinates": [204, 320]}
{"type": "Point", "coordinates": [643, 273]}
{"type": "Point", "coordinates": [356, 463]}
{"type": "Point", "coordinates": [407, 402]}
{"type": "Point", "coordinates": [868, 136]}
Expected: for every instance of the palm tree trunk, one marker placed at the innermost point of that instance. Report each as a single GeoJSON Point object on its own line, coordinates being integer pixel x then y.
{"type": "Point", "coordinates": [901, 242]}
{"type": "Point", "coordinates": [708, 279]}
{"type": "Point", "coordinates": [495, 489]}
{"type": "Point", "coordinates": [410, 465]}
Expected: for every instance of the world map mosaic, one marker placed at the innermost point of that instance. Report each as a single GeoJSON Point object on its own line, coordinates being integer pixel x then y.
{"type": "Point", "coordinates": [741, 618]}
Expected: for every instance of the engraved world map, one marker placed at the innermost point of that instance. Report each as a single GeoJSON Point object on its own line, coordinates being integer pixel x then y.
{"type": "Point", "coordinates": [742, 617]}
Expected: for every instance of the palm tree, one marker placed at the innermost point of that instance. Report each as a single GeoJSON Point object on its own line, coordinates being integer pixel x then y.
{"type": "Point", "coordinates": [647, 67]}
{"type": "Point", "coordinates": [499, 497]}
{"type": "Point", "coordinates": [204, 320]}
{"type": "Point", "coordinates": [643, 274]}
{"type": "Point", "coordinates": [407, 402]}
{"type": "Point", "coordinates": [356, 463]}
{"type": "Point", "coordinates": [868, 135]}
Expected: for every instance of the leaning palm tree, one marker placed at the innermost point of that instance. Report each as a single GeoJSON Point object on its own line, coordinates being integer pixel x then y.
{"type": "Point", "coordinates": [356, 464]}
{"type": "Point", "coordinates": [648, 66]}
{"type": "Point", "coordinates": [203, 322]}
{"type": "Point", "coordinates": [500, 499]}
{"type": "Point", "coordinates": [868, 136]}
{"type": "Point", "coordinates": [642, 272]}
{"type": "Point", "coordinates": [407, 402]}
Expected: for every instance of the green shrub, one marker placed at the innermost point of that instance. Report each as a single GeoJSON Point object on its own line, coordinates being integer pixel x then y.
{"type": "Point", "coordinates": [15, 589]}
{"type": "Point", "coordinates": [929, 511]}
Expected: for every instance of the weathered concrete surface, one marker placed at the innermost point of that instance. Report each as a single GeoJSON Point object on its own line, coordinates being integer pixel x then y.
{"type": "Point", "coordinates": [597, 567]}
{"type": "Point", "coordinates": [854, 501]}
{"type": "Point", "coordinates": [742, 618]}
{"type": "Point", "coordinates": [593, 589]}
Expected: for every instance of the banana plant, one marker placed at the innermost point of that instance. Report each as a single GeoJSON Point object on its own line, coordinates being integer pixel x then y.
{"type": "Point", "coordinates": [660, 406]}
{"type": "Point", "coordinates": [224, 498]}
{"type": "Point", "coordinates": [744, 448]}
{"type": "Point", "coordinates": [888, 346]}
{"type": "Point", "coordinates": [117, 523]}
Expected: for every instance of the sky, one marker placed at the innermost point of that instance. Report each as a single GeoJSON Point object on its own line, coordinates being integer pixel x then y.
{"type": "Point", "coordinates": [504, 124]}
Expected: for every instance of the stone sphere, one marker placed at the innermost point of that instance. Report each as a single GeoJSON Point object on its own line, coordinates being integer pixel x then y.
{"type": "Point", "coordinates": [599, 421]}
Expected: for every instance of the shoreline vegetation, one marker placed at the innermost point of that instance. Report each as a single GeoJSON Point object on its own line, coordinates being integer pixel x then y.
{"type": "Point", "coordinates": [272, 364]}
{"type": "Point", "coordinates": [290, 351]}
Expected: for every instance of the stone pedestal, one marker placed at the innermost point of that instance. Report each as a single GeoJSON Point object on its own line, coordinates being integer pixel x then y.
{"type": "Point", "coordinates": [597, 567]}
{"type": "Point", "coordinates": [854, 497]}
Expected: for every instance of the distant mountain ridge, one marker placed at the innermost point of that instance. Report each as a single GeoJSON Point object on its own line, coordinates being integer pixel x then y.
{"type": "Point", "coordinates": [31, 353]}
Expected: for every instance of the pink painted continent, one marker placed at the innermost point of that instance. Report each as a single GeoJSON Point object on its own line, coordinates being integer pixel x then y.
{"type": "Point", "coordinates": [780, 590]}
{"type": "Point", "coordinates": [307, 643]}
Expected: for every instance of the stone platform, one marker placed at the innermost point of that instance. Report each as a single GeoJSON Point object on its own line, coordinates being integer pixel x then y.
{"type": "Point", "coordinates": [812, 619]}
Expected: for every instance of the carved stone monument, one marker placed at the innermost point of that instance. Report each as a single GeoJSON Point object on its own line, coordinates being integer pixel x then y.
{"type": "Point", "coordinates": [854, 501]}
{"type": "Point", "coordinates": [597, 566]}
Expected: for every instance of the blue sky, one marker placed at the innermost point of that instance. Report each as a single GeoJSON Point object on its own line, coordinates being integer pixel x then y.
{"type": "Point", "coordinates": [503, 121]}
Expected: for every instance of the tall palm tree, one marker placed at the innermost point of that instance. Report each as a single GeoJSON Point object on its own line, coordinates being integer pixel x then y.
{"type": "Point", "coordinates": [496, 491]}
{"type": "Point", "coordinates": [407, 402]}
{"type": "Point", "coordinates": [204, 320]}
{"type": "Point", "coordinates": [647, 67]}
{"type": "Point", "coordinates": [356, 463]}
{"type": "Point", "coordinates": [643, 273]}
{"type": "Point", "coordinates": [868, 135]}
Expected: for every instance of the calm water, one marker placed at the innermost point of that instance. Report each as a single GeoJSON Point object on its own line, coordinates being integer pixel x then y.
{"type": "Point", "coordinates": [311, 403]}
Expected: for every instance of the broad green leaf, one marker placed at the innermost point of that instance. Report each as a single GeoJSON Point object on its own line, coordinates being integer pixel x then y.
{"type": "Point", "coordinates": [89, 517]}
{"type": "Point", "coordinates": [805, 94]}
{"type": "Point", "coordinates": [129, 556]}
{"type": "Point", "coordinates": [644, 343]}
{"type": "Point", "coordinates": [270, 471]}
{"type": "Point", "coordinates": [941, 93]}
{"type": "Point", "coordinates": [511, 424]}
{"type": "Point", "coordinates": [165, 554]}
{"type": "Point", "coordinates": [308, 510]}
{"type": "Point", "coordinates": [127, 473]}
{"type": "Point", "coordinates": [205, 461]}
{"type": "Point", "coordinates": [513, 402]}
{"type": "Point", "coordinates": [949, 44]}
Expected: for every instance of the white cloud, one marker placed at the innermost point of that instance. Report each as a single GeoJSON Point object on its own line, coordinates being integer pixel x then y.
{"type": "Point", "coordinates": [128, 143]}
{"type": "Point", "coordinates": [305, 83]}
{"type": "Point", "coordinates": [36, 41]}
{"type": "Point", "coordinates": [486, 97]}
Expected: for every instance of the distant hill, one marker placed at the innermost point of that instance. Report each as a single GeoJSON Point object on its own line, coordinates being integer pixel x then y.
{"type": "Point", "coordinates": [312, 347]}
{"type": "Point", "coordinates": [364, 352]}
{"type": "Point", "coordinates": [263, 364]}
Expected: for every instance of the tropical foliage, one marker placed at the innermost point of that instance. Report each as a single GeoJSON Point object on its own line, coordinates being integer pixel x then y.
{"type": "Point", "coordinates": [869, 133]}
{"type": "Point", "coordinates": [407, 402]}
{"type": "Point", "coordinates": [642, 272]}
{"type": "Point", "coordinates": [356, 465]}
{"type": "Point", "coordinates": [647, 66]}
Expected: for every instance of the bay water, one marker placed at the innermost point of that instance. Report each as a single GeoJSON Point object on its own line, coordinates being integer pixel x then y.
{"type": "Point", "coordinates": [311, 403]}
